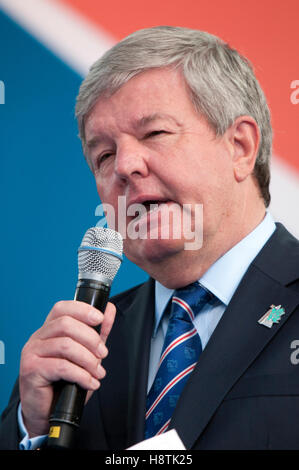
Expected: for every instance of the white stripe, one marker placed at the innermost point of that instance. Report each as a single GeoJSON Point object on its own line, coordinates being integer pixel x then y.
{"type": "Point", "coordinates": [164, 427]}
{"type": "Point", "coordinates": [284, 188]}
{"type": "Point", "coordinates": [184, 305]}
{"type": "Point", "coordinates": [79, 43]}
{"type": "Point", "coordinates": [169, 386]}
{"type": "Point", "coordinates": [68, 34]}
{"type": "Point", "coordinates": [178, 342]}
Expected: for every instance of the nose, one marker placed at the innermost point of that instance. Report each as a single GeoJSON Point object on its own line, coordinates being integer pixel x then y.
{"type": "Point", "coordinates": [131, 160]}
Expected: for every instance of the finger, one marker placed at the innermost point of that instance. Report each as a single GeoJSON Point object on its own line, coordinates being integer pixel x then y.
{"type": "Point", "coordinates": [76, 309]}
{"type": "Point", "coordinates": [66, 326]}
{"type": "Point", "coordinates": [54, 369]}
{"type": "Point", "coordinates": [88, 395]}
{"type": "Point", "coordinates": [107, 323]}
{"type": "Point", "coordinates": [67, 348]}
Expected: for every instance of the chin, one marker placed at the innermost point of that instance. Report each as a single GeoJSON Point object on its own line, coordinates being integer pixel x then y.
{"type": "Point", "coordinates": [142, 252]}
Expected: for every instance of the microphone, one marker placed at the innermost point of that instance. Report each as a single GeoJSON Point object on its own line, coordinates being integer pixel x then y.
{"type": "Point", "coordinates": [99, 258]}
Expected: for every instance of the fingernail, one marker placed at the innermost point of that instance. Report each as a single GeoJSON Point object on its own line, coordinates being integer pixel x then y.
{"type": "Point", "coordinates": [101, 371]}
{"type": "Point", "coordinates": [95, 316]}
{"type": "Point", "coordinates": [102, 350]}
{"type": "Point", "coordinates": [94, 383]}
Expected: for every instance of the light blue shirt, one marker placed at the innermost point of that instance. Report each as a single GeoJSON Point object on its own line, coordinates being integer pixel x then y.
{"type": "Point", "coordinates": [222, 279]}
{"type": "Point", "coordinates": [26, 443]}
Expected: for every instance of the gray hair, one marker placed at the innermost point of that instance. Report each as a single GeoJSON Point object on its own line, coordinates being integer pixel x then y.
{"type": "Point", "coordinates": [221, 81]}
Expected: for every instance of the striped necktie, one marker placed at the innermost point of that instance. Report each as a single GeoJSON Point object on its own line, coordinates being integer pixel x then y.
{"type": "Point", "coordinates": [180, 353]}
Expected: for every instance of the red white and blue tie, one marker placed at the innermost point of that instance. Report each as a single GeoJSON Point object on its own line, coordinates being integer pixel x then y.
{"type": "Point", "coordinates": [180, 353]}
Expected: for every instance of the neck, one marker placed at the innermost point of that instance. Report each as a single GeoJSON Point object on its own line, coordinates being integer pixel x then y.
{"type": "Point", "coordinates": [187, 266]}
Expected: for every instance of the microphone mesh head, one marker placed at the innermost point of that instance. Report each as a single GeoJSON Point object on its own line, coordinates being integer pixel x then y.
{"type": "Point", "coordinates": [100, 254]}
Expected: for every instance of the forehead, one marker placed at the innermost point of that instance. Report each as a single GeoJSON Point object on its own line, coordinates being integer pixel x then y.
{"type": "Point", "coordinates": [154, 93]}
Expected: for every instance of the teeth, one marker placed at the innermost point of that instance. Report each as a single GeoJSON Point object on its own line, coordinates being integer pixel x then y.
{"type": "Point", "coordinates": [153, 207]}
{"type": "Point", "coordinates": [151, 211]}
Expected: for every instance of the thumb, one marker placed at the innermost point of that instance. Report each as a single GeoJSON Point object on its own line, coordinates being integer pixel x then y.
{"type": "Point", "coordinates": [107, 323]}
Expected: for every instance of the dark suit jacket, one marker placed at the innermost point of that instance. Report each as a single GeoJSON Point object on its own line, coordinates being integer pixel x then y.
{"type": "Point", "coordinates": [244, 391]}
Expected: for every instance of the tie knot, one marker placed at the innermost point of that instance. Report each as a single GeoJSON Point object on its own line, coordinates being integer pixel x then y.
{"type": "Point", "coordinates": [188, 301]}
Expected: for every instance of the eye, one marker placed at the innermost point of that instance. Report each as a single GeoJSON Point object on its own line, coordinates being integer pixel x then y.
{"type": "Point", "coordinates": [155, 133]}
{"type": "Point", "coordinates": [102, 158]}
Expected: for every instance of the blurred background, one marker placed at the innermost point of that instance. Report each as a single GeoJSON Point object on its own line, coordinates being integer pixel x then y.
{"type": "Point", "coordinates": [48, 196]}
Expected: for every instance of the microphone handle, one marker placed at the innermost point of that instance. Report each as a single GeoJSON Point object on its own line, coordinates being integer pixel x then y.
{"type": "Point", "coordinates": [69, 398]}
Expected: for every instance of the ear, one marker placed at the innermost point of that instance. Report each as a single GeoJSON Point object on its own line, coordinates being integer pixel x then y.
{"type": "Point", "coordinates": [244, 139]}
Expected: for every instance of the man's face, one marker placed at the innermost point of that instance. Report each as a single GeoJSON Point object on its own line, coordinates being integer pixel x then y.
{"type": "Point", "coordinates": [146, 142]}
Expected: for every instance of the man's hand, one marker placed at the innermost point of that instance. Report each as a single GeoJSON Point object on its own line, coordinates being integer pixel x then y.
{"type": "Point", "coordinates": [65, 347]}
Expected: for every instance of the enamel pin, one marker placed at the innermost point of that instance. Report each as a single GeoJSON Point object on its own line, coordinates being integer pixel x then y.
{"type": "Point", "coordinates": [273, 315]}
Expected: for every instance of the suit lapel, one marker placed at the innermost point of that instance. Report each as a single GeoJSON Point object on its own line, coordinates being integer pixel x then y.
{"type": "Point", "coordinates": [236, 342]}
{"type": "Point", "coordinates": [137, 328]}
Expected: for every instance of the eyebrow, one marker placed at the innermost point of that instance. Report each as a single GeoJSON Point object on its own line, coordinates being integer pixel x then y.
{"type": "Point", "coordinates": [155, 117]}
{"type": "Point", "coordinates": [93, 142]}
{"type": "Point", "coordinates": [142, 122]}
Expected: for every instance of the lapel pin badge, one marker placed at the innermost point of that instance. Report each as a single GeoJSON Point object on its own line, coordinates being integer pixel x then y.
{"type": "Point", "coordinates": [273, 315]}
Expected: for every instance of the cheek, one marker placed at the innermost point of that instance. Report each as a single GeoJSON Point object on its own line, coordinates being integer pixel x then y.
{"type": "Point", "coordinates": [108, 205]}
{"type": "Point", "coordinates": [104, 189]}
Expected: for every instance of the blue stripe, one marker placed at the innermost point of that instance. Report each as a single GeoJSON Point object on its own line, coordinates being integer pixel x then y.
{"type": "Point", "coordinates": [103, 250]}
{"type": "Point", "coordinates": [45, 187]}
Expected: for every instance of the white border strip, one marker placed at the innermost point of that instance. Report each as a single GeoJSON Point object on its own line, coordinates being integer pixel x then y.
{"type": "Point", "coordinates": [68, 34]}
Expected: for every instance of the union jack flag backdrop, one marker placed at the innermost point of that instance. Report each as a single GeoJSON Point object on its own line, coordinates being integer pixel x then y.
{"type": "Point", "coordinates": [48, 194]}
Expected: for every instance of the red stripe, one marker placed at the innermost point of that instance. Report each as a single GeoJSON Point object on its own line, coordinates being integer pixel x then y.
{"type": "Point", "coordinates": [184, 305]}
{"type": "Point", "coordinates": [169, 386]}
{"type": "Point", "coordinates": [164, 427]}
{"type": "Point", "coordinates": [176, 342]}
{"type": "Point", "coordinates": [236, 24]}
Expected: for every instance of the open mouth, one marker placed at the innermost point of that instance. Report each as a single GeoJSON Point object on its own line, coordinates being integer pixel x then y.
{"type": "Point", "coordinates": [153, 205]}
{"type": "Point", "coordinates": [149, 208]}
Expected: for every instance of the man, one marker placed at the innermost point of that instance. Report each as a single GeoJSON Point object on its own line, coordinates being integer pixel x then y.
{"type": "Point", "coordinates": [176, 118]}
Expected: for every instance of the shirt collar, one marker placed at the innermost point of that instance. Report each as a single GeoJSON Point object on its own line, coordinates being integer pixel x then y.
{"type": "Point", "coordinates": [224, 276]}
